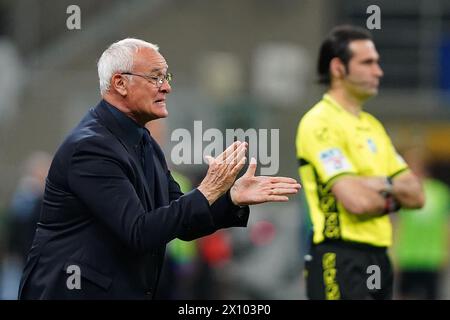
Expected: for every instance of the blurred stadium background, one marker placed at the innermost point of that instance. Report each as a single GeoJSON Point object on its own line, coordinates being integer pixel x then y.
{"type": "Point", "coordinates": [237, 64]}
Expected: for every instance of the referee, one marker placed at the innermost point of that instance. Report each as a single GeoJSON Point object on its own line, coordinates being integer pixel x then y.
{"type": "Point", "coordinates": [352, 175]}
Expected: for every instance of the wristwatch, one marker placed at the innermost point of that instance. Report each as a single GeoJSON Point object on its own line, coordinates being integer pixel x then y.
{"type": "Point", "coordinates": [389, 186]}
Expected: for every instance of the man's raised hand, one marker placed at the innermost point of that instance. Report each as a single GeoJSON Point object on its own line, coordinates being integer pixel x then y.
{"type": "Point", "coordinates": [251, 189]}
{"type": "Point", "coordinates": [222, 171]}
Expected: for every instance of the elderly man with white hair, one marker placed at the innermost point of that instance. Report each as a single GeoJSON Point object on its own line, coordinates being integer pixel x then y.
{"type": "Point", "coordinates": [111, 205]}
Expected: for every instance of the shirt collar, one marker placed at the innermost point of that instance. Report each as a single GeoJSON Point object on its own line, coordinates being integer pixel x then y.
{"type": "Point", "coordinates": [132, 130]}
{"type": "Point", "coordinates": [333, 103]}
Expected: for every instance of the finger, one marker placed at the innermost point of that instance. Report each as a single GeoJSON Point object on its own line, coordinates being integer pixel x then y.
{"type": "Point", "coordinates": [235, 168]}
{"type": "Point", "coordinates": [282, 185]}
{"type": "Point", "coordinates": [275, 198]}
{"type": "Point", "coordinates": [239, 166]}
{"type": "Point", "coordinates": [228, 150]}
{"type": "Point", "coordinates": [283, 191]}
{"type": "Point", "coordinates": [251, 168]}
{"type": "Point", "coordinates": [241, 155]}
{"type": "Point", "coordinates": [237, 154]}
{"type": "Point", "coordinates": [282, 179]}
{"type": "Point", "coordinates": [209, 160]}
{"type": "Point", "coordinates": [238, 159]}
{"type": "Point", "coordinates": [221, 157]}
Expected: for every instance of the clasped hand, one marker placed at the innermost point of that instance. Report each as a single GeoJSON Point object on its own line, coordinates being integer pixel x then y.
{"type": "Point", "coordinates": [247, 190]}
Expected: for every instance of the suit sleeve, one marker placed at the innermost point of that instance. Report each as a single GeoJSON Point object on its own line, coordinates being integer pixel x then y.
{"type": "Point", "coordinates": [225, 213]}
{"type": "Point", "coordinates": [174, 188]}
{"type": "Point", "coordinates": [99, 179]}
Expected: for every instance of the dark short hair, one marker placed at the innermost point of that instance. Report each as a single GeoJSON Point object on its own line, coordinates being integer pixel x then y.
{"type": "Point", "coordinates": [336, 44]}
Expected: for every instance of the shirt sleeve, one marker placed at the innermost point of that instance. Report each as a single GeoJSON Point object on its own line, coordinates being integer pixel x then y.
{"type": "Point", "coordinates": [396, 163]}
{"type": "Point", "coordinates": [322, 146]}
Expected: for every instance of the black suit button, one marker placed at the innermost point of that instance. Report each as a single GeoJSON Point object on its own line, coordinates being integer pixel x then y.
{"type": "Point", "coordinates": [149, 293]}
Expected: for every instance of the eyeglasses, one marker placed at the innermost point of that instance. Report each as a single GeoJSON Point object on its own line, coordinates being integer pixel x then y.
{"type": "Point", "coordinates": [155, 80]}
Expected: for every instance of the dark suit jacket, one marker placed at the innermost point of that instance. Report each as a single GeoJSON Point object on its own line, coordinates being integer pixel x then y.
{"type": "Point", "coordinates": [99, 215]}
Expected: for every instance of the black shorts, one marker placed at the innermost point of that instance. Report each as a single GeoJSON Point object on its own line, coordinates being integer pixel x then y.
{"type": "Point", "coordinates": [337, 270]}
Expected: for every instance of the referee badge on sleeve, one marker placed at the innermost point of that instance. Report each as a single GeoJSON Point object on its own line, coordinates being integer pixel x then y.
{"type": "Point", "coordinates": [372, 146]}
{"type": "Point", "coordinates": [334, 161]}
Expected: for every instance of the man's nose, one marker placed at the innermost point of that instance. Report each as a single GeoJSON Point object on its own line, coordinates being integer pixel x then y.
{"type": "Point", "coordinates": [378, 71]}
{"type": "Point", "coordinates": [165, 87]}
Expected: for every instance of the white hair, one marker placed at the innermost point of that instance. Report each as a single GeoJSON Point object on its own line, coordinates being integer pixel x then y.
{"type": "Point", "coordinates": [119, 58]}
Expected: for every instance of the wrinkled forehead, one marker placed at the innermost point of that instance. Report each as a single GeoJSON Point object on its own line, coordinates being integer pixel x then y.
{"type": "Point", "coordinates": [149, 60]}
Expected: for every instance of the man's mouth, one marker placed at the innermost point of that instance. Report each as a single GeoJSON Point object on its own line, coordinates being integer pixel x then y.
{"type": "Point", "coordinates": [160, 101]}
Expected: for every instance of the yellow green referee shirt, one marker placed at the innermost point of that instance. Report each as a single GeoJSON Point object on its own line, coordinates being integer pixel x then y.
{"type": "Point", "coordinates": [332, 142]}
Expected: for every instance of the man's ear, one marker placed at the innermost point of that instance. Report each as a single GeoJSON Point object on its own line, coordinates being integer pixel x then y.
{"type": "Point", "coordinates": [337, 68]}
{"type": "Point", "coordinates": [118, 83]}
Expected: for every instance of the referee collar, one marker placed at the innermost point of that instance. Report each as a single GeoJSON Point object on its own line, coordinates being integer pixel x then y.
{"type": "Point", "coordinates": [330, 101]}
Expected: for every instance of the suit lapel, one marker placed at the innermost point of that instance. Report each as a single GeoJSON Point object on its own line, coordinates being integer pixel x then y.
{"type": "Point", "coordinates": [161, 182]}
{"type": "Point", "coordinates": [111, 124]}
